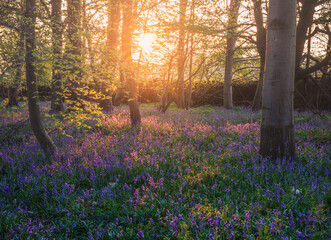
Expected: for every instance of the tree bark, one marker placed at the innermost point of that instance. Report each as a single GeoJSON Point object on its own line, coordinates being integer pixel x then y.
{"type": "Point", "coordinates": [261, 48]}
{"type": "Point", "coordinates": [126, 48]}
{"type": "Point", "coordinates": [189, 95]}
{"type": "Point", "coordinates": [277, 127]}
{"type": "Point", "coordinates": [305, 21]}
{"type": "Point", "coordinates": [167, 97]}
{"type": "Point", "coordinates": [57, 84]}
{"type": "Point", "coordinates": [33, 101]}
{"type": "Point", "coordinates": [181, 53]}
{"type": "Point", "coordinates": [73, 53]}
{"type": "Point", "coordinates": [230, 49]}
{"type": "Point", "coordinates": [114, 20]}
{"type": "Point", "coordinates": [14, 91]}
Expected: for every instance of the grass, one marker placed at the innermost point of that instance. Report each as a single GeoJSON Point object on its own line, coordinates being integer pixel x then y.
{"type": "Point", "coordinates": [185, 175]}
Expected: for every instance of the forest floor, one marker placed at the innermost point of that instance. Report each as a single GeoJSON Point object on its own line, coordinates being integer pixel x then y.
{"type": "Point", "coordinates": [192, 174]}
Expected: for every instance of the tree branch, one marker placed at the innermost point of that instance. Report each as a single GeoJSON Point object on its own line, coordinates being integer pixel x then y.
{"type": "Point", "coordinates": [304, 72]}
{"type": "Point", "coordinates": [7, 25]}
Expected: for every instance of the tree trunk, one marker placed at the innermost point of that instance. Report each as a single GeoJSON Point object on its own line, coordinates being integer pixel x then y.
{"type": "Point", "coordinates": [305, 21]}
{"type": "Point", "coordinates": [33, 101]}
{"type": "Point", "coordinates": [14, 91]}
{"type": "Point", "coordinates": [277, 127]}
{"type": "Point", "coordinates": [189, 95]}
{"type": "Point", "coordinates": [126, 48]}
{"type": "Point", "coordinates": [57, 84]}
{"type": "Point", "coordinates": [73, 53]}
{"type": "Point", "coordinates": [261, 48]}
{"type": "Point", "coordinates": [181, 53]}
{"type": "Point", "coordinates": [167, 98]}
{"type": "Point", "coordinates": [230, 49]}
{"type": "Point", "coordinates": [114, 20]}
{"type": "Point", "coordinates": [258, 92]}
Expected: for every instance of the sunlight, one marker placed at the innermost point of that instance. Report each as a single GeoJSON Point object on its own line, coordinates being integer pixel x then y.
{"type": "Point", "coordinates": [145, 41]}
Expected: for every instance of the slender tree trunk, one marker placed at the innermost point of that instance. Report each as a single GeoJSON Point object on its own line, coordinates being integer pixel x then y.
{"type": "Point", "coordinates": [258, 92]}
{"type": "Point", "coordinates": [189, 95]}
{"type": "Point", "coordinates": [230, 49]}
{"type": "Point", "coordinates": [126, 48]}
{"type": "Point", "coordinates": [114, 20]}
{"type": "Point", "coordinates": [73, 53]}
{"type": "Point", "coordinates": [181, 53]}
{"type": "Point", "coordinates": [277, 128]}
{"type": "Point", "coordinates": [305, 21]}
{"type": "Point", "coordinates": [33, 101]}
{"type": "Point", "coordinates": [261, 48]}
{"type": "Point", "coordinates": [167, 98]}
{"type": "Point", "coordinates": [113, 42]}
{"type": "Point", "coordinates": [14, 91]}
{"type": "Point", "coordinates": [57, 84]}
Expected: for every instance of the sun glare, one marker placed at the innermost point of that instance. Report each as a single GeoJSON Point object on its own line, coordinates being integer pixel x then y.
{"type": "Point", "coordinates": [145, 41]}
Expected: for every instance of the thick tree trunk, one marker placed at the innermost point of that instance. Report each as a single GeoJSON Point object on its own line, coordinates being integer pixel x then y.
{"type": "Point", "coordinates": [126, 48]}
{"type": "Point", "coordinates": [181, 54]}
{"type": "Point", "coordinates": [261, 48]}
{"type": "Point", "coordinates": [277, 128]}
{"type": "Point", "coordinates": [57, 84]}
{"type": "Point", "coordinates": [230, 49]}
{"type": "Point", "coordinates": [33, 101]}
{"type": "Point", "coordinates": [13, 91]}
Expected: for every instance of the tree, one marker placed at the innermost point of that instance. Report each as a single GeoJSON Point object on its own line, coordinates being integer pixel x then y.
{"type": "Point", "coordinates": [19, 62]}
{"type": "Point", "coordinates": [261, 48]}
{"type": "Point", "coordinates": [192, 18]}
{"type": "Point", "coordinates": [127, 71]}
{"type": "Point", "coordinates": [181, 53]}
{"type": "Point", "coordinates": [114, 20]}
{"type": "Point", "coordinates": [277, 127]}
{"type": "Point", "coordinates": [230, 49]}
{"type": "Point", "coordinates": [306, 14]}
{"type": "Point", "coordinates": [57, 85]}
{"type": "Point", "coordinates": [73, 52]}
{"type": "Point", "coordinates": [38, 129]}
{"type": "Point", "coordinates": [11, 19]}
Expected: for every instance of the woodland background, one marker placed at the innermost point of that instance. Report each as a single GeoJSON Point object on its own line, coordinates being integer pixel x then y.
{"type": "Point", "coordinates": [80, 49]}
